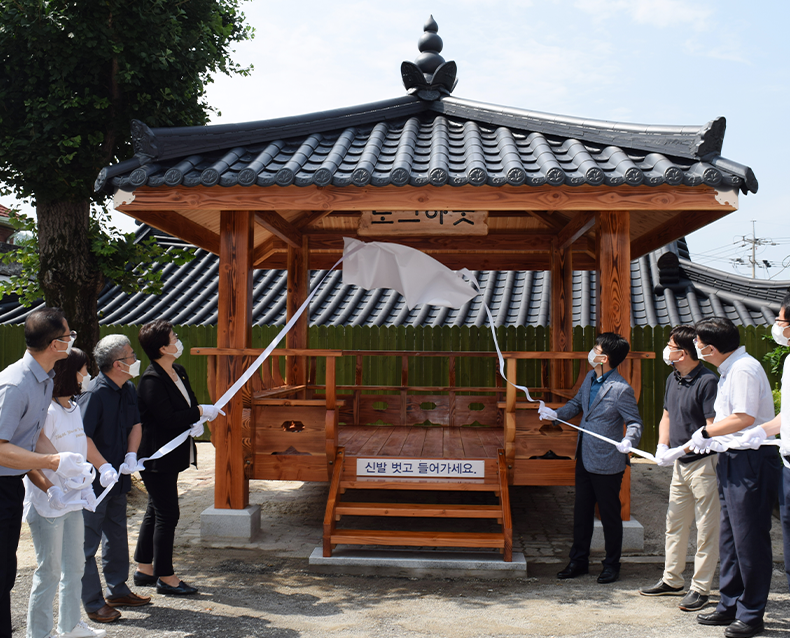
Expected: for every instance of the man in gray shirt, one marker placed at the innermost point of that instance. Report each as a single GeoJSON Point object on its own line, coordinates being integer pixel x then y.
{"type": "Point", "coordinates": [694, 493]}
{"type": "Point", "coordinates": [25, 393]}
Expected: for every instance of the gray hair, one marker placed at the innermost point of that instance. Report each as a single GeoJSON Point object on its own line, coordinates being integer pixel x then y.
{"type": "Point", "coordinates": [109, 349]}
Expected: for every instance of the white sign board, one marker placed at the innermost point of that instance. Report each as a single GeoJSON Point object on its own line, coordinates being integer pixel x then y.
{"type": "Point", "coordinates": [421, 468]}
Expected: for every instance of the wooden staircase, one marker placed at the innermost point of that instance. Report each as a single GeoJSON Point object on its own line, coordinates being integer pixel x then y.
{"type": "Point", "coordinates": [344, 479]}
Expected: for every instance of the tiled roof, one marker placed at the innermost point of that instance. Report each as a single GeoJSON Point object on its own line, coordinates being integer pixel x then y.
{"type": "Point", "coordinates": [666, 289]}
{"type": "Point", "coordinates": [448, 141]}
{"type": "Point", "coordinates": [427, 137]}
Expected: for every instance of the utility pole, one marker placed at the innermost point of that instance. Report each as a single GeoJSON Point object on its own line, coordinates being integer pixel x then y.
{"type": "Point", "coordinates": [755, 242]}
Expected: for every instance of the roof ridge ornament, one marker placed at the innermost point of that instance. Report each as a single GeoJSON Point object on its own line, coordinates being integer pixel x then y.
{"type": "Point", "coordinates": [429, 76]}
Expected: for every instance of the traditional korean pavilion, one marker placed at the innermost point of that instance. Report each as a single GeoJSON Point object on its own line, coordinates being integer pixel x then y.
{"type": "Point", "coordinates": [474, 185]}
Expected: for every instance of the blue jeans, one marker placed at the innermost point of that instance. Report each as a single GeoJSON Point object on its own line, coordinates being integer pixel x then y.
{"type": "Point", "coordinates": [61, 559]}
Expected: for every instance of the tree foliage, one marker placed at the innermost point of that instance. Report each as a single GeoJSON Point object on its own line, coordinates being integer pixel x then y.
{"type": "Point", "coordinates": [73, 74]}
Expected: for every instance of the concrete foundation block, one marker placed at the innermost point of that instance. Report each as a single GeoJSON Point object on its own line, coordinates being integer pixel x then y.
{"type": "Point", "coordinates": [633, 536]}
{"type": "Point", "coordinates": [418, 563]}
{"type": "Point", "coordinates": [230, 525]}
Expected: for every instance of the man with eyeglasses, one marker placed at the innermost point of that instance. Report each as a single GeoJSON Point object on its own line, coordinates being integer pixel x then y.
{"type": "Point", "coordinates": [111, 421]}
{"type": "Point", "coordinates": [694, 494]}
{"type": "Point", "coordinates": [748, 479]}
{"type": "Point", "coordinates": [25, 394]}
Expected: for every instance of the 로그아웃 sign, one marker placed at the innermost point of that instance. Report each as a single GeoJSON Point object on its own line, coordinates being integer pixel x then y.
{"type": "Point", "coordinates": [423, 222]}
{"type": "Point", "coordinates": [421, 468]}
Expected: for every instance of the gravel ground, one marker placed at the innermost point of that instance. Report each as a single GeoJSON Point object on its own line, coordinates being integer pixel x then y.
{"type": "Point", "coordinates": [265, 588]}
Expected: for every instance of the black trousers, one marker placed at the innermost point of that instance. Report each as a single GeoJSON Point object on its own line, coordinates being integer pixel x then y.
{"type": "Point", "coordinates": [158, 529]}
{"type": "Point", "coordinates": [603, 489]}
{"type": "Point", "coordinates": [12, 496]}
{"type": "Point", "coordinates": [748, 488]}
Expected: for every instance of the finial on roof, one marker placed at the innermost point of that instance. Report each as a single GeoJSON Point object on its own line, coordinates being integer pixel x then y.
{"type": "Point", "coordinates": [429, 75]}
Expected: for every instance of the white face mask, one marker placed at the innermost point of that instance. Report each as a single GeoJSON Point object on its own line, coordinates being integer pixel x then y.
{"type": "Point", "coordinates": [179, 349]}
{"type": "Point", "coordinates": [134, 369]}
{"type": "Point", "coordinates": [591, 356]}
{"type": "Point", "coordinates": [666, 354]}
{"type": "Point", "coordinates": [699, 352]}
{"type": "Point", "coordinates": [85, 382]}
{"type": "Point", "coordinates": [69, 345]}
{"type": "Point", "coordinates": [778, 333]}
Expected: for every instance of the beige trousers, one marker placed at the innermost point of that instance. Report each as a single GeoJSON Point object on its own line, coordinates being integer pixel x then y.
{"type": "Point", "coordinates": [693, 495]}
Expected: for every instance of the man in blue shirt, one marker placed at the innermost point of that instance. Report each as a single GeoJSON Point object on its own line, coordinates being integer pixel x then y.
{"type": "Point", "coordinates": [25, 393]}
{"type": "Point", "coordinates": [607, 401]}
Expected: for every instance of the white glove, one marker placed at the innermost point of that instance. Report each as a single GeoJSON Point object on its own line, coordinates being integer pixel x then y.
{"type": "Point", "coordinates": [546, 414]}
{"type": "Point", "coordinates": [671, 456]}
{"type": "Point", "coordinates": [661, 452]}
{"type": "Point", "coordinates": [211, 412]}
{"type": "Point", "coordinates": [699, 444]}
{"type": "Point", "coordinates": [55, 498]}
{"type": "Point", "coordinates": [624, 446]}
{"type": "Point", "coordinates": [89, 497]}
{"type": "Point", "coordinates": [717, 446]}
{"type": "Point", "coordinates": [198, 428]}
{"type": "Point", "coordinates": [107, 475]}
{"type": "Point", "coordinates": [130, 464]}
{"type": "Point", "coordinates": [77, 483]}
{"type": "Point", "coordinates": [70, 465]}
{"type": "Point", "coordinates": [753, 437]}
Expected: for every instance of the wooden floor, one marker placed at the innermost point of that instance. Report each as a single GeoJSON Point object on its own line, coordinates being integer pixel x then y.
{"type": "Point", "coordinates": [421, 442]}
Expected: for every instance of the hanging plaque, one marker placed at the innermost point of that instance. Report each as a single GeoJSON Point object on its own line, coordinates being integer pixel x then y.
{"type": "Point", "coordinates": [378, 223]}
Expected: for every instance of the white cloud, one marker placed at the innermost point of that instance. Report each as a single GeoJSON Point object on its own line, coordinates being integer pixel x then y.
{"type": "Point", "coordinates": [656, 13]}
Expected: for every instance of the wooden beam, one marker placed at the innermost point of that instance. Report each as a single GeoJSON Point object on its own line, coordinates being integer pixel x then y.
{"type": "Point", "coordinates": [680, 225]}
{"type": "Point", "coordinates": [313, 217]}
{"type": "Point", "coordinates": [265, 250]}
{"type": "Point", "coordinates": [298, 290]}
{"type": "Point", "coordinates": [174, 223]}
{"type": "Point", "coordinates": [334, 198]}
{"type": "Point", "coordinates": [554, 222]}
{"type": "Point", "coordinates": [561, 314]}
{"type": "Point", "coordinates": [580, 224]}
{"type": "Point", "coordinates": [234, 325]}
{"type": "Point", "coordinates": [614, 280]}
{"type": "Point", "coordinates": [495, 241]}
{"type": "Point", "coordinates": [278, 227]}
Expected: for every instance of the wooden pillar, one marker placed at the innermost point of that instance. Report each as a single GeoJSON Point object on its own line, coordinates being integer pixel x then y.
{"type": "Point", "coordinates": [298, 290]}
{"type": "Point", "coordinates": [614, 298]}
{"type": "Point", "coordinates": [234, 325]}
{"type": "Point", "coordinates": [561, 314]}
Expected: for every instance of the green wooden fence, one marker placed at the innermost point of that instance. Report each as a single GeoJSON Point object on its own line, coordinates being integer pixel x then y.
{"type": "Point", "coordinates": [430, 371]}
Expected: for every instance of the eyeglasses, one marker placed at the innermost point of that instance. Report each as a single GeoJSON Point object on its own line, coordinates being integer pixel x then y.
{"type": "Point", "coordinates": [70, 335]}
{"type": "Point", "coordinates": [174, 338]}
{"type": "Point", "coordinates": [700, 345]}
{"type": "Point", "coordinates": [131, 356]}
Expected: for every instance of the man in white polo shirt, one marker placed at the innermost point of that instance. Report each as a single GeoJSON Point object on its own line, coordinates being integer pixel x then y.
{"type": "Point", "coordinates": [748, 479]}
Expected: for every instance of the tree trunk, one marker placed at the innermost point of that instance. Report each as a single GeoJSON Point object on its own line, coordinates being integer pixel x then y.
{"type": "Point", "coordinates": [69, 274]}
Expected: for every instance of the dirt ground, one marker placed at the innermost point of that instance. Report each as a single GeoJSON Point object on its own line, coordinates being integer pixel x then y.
{"type": "Point", "coordinates": [266, 589]}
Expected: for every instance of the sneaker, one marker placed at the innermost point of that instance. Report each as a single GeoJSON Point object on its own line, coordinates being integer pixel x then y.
{"type": "Point", "coordinates": [661, 589]}
{"type": "Point", "coordinates": [693, 601]}
{"type": "Point", "coordinates": [81, 630]}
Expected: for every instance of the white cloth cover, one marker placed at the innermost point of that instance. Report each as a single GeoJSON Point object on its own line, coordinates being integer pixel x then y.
{"type": "Point", "coordinates": [417, 276]}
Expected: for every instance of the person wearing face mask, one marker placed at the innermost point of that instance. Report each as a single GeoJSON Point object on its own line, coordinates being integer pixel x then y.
{"type": "Point", "coordinates": [168, 407]}
{"type": "Point", "coordinates": [111, 421]}
{"type": "Point", "coordinates": [694, 494]}
{"type": "Point", "coordinates": [606, 401]}
{"type": "Point", "coordinates": [25, 394]}
{"type": "Point", "coordinates": [748, 479]}
{"type": "Point", "coordinates": [55, 519]}
{"type": "Point", "coordinates": [780, 424]}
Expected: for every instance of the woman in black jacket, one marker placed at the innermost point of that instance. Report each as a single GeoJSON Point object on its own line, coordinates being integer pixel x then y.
{"type": "Point", "coordinates": [168, 408]}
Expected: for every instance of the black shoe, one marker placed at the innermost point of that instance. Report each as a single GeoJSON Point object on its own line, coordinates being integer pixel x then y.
{"type": "Point", "coordinates": [740, 629]}
{"type": "Point", "coordinates": [608, 575]}
{"type": "Point", "coordinates": [143, 580]}
{"type": "Point", "coordinates": [661, 589]}
{"type": "Point", "coordinates": [715, 618]}
{"type": "Point", "coordinates": [182, 590]}
{"type": "Point", "coordinates": [573, 570]}
{"type": "Point", "coordinates": [693, 601]}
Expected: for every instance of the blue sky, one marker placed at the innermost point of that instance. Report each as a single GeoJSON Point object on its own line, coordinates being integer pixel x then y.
{"type": "Point", "coordinates": [646, 61]}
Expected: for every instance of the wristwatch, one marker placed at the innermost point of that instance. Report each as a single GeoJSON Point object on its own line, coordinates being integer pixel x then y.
{"type": "Point", "coordinates": [705, 434]}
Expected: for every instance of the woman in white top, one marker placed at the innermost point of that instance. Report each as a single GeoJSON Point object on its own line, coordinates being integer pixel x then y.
{"type": "Point", "coordinates": [54, 512]}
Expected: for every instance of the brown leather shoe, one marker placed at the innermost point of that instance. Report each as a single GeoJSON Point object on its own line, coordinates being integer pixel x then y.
{"type": "Point", "coordinates": [105, 614]}
{"type": "Point", "coordinates": [130, 600]}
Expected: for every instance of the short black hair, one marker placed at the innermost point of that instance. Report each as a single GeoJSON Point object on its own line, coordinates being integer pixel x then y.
{"type": "Point", "coordinates": [65, 383]}
{"type": "Point", "coordinates": [153, 336]}
{"type": "Point", "coordinates": [785, 305]}
{"type": "Point", "coordinates": [613, 346]}
{"type": "Point", "coordinates": [42, 327]}
{"type": "Point", "coordinates": [719, 332]}
{"type": "Point", "coordinates": [684, 338]}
